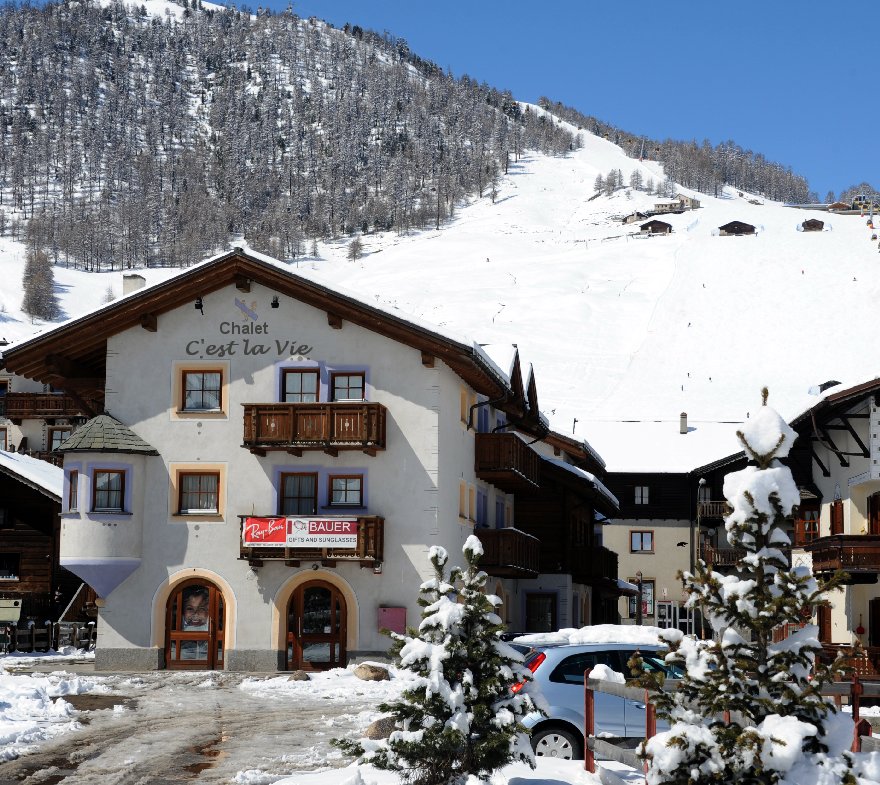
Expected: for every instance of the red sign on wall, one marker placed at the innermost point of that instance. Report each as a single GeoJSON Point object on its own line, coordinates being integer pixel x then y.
{"type": "Point", "coordinates": [265, 531]}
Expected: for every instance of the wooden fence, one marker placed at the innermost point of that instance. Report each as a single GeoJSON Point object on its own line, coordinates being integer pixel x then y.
{"type": "Point", "coordinates": [863, 741]}
{"type": "Point", "coordinates": [47, 637]}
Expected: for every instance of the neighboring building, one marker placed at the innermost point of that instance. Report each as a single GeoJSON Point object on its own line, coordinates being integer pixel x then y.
{"type": "Point", "coordinates": [668, 206]}
{"type": "Point", "coordinates": [30, 506]}
{"type": "Point", "coordinates": [656, 227]}
{"type": "Point", "coordinates": [812, 225]}
{"type": "Point", "coordinates": [839, 442]}
{"type": "Point", "coordinates": [275, 459]}
{"type": "Point", "coordinates": [839, 206]}
{"type": "Point", "coordinates": [634, 217]}
{"type": "Point", "coordinates": [34, 418]}
{"type": "Point", "coordinates": [735, 228]}
{"type": "Point", "coordinates": [688, 202]}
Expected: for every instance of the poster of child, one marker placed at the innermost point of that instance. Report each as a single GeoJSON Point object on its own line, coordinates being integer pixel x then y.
{"type": "Point", "coordinates": [195, 619]}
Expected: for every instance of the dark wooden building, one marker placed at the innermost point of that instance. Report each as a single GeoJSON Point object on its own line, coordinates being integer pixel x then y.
{"type": "Point", "coordinates": [735, 228]}
{"type": "Point", "coordinates": [812, 225]}
{"type": "Point", "coordinates": [656, 227]}
{"type": "Point", "coordinates": [30, 507]}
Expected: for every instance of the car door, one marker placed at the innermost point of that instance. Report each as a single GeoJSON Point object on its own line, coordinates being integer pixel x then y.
{"type": "Point", "coordinates": [565, 688]}
{"type": "Point", "coordinates": [635, 711]}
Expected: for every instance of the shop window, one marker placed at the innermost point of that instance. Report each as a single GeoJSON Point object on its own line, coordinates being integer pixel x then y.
{"type": "Point", "coordinates": [647, 599]}
{"type": "Point", "coordinates": [346, 491]}
{"type": "Point", "coordinates": [108, 491]}
{"type": "Point", "coordinates": [641, 542]}
{"type": "Point", "coordinates": [299, 386]}
{"type": "Point", "coordinates": [641, 494]}
{"type": "Point", "coordinates": [299, 494]}
{"type": "Point", "coordinates": [199, 493]}
{"type": "Point", "coordinates": [202, 391]}
{"type": "Point", "coordinates": [348, 386]}
{"type": "Point", "coordinates": [73, 490]}
{"type": "Point", "coordinates": [10, 566]}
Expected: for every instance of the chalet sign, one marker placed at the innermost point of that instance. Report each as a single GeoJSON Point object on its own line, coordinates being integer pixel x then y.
{"type": "Point", "coordinates": [248, 335]}
{"type": "Point", "coordinates": [300, 532]}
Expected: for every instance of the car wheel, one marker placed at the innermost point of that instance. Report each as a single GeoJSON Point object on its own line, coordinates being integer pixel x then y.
{"type": "Point", "coordinates": [556, 743]}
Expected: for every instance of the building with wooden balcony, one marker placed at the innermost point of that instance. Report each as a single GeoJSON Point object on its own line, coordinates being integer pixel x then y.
{"type": "Point", "coordinates": [267, 497]}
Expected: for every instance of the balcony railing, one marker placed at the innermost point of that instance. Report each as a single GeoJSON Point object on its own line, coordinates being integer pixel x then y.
{"type": "Point", "coordinates": [507, 462]}
{"type": "Point", "coordinates": [856, 554]}
{"type": "Point", "coordinates": [728, 557]}
{"type": "Point", "coordinates": [712, 511]}
{"type": "Point", "coordinates": [369, 550]}
{"type": "Point", "coordinates": [23, 406]}
{"type": "Point", "coordinates": [509, 553]}
{"type": "Point", "coordinates": [330, 427]}
{"type": "Point", "coordinates": [592, 564]}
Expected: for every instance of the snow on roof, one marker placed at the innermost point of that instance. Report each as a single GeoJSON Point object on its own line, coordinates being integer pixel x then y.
{"type": "Point", "coordinates": [34, 472]}
{"type": "Point", "coordinates": [501, 354]}
{"type": "Point", "coordinates": [598, 633]}
{"type": "Point", "coordinates": [587, 476]}
{"type": "Point", "coordinates": [658, 446]}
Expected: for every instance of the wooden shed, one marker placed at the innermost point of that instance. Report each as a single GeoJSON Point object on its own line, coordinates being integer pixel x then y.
{"type": "Point", "coordinates": [633, 217]}
{"type": "Point", "coordinates": [656, 227]}
{"type": "Point", "coordinates": [735, 228]}
{"type": "Point", "coordinates": [812, 225]}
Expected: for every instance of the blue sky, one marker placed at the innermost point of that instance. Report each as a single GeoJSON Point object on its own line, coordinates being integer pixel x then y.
{"type": "Point", "coordinates": [797, 82]}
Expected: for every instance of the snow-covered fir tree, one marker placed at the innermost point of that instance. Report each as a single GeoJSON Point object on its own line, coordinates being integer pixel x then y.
{"type": "Point", "coordinates": [461, 718]}
{"type": "Point", "coordinates": [749, 710]}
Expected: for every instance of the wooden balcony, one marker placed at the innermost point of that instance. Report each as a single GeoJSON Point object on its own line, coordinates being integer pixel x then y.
{"type": "Point", "coordinates": [297, 427]}
{"type": "Point", "coordinates": [369, 552]}
{"type": "Point", "coordinates": [712, 512]}
{"type": "Point", "coordinates": [507, 462]}
{"type": "Point", "coordinates": [727, 558]}
{"type": "Point", "coordinates": [25, 406]}
{"type": "Point", "coordinates": [592, 564]}
{"type": "Point", "coordinates": [856, 554]}
{"type": "Point", "coordinates": [509, 553]}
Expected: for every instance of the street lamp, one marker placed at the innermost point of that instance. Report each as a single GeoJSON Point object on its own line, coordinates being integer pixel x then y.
{"type": "Point", "coordinates": [639, 605]}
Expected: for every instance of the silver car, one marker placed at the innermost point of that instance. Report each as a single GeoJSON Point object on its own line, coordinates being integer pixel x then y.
{"type": "Point", "coordinates": [557, 687]}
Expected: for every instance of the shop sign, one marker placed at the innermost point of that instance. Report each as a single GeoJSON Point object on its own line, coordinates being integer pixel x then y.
{"type": "Point", "coordinates": [299, 532]}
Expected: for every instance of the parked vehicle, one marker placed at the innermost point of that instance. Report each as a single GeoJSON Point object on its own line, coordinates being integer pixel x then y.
{"type": "Point", "coordinates": [557, 687]}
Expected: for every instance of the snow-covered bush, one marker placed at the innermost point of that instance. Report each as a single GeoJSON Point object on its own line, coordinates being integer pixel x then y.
{"type": "Point", "coordinates": [749, 710]}
{"type": "Point", "coordinates": [461, 719]}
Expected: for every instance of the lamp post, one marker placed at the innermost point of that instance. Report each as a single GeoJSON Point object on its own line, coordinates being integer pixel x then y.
{"type": "Point", "coordinates": [639, 605]}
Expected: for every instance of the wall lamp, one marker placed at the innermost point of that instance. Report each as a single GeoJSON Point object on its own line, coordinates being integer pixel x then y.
{"type": "Point", "coordinates": [199, 306]}
{"type": "Point", "coordinates": [275, 303]}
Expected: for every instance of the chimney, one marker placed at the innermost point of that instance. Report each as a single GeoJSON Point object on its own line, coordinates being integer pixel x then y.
{"type": "Point", "coordinates": [683, 423]}
{"type": "Point", "coordinates": [131, 282]}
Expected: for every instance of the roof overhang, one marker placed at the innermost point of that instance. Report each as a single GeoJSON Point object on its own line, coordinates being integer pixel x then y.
{"type": "Point", "coordinates": [78, 348]}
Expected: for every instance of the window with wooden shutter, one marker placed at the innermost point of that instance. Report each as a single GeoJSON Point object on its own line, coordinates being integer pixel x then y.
{"type": "Point", "coordinates": [837, 517]}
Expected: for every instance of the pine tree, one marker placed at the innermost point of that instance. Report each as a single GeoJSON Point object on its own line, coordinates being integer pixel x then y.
{"type": "Point", "coordinates": [771, 689]}
{"type": "Point", "coordinates": [355, 249]}
{"type": "Point", "coordinates": [462, 719]}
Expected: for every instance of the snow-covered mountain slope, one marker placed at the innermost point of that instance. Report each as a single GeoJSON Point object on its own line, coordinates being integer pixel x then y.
{"type": "Point", "coordinates": [618, 328]}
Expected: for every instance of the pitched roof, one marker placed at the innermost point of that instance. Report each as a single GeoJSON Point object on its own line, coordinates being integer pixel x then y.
{"type": "Point", "coordinates": [106, 434]}
{"type": "Point", "coordinates": [77, 349]}
{"type": "Point", "coordinates": [40, 475]}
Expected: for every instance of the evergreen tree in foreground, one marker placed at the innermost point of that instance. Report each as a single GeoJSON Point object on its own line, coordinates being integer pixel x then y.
{"type": "Point", "coordinates": [461, 717]}
{"type": "Point", "coordinates": [780, 729]}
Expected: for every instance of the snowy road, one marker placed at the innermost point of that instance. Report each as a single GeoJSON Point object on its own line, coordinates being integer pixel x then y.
{"type": "Point", "coordinates": [201, 727]}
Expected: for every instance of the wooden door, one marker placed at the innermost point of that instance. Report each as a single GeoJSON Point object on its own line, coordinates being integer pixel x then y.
{"type": "Point", "coordinates": [874, 513]}
{"type": "Point", "coordinates": [316, 627]}
{"type": "Point", "coordinates": [824, 621]}
{"type": "Point", "coordinates": [541, 612]}
{"type": "Point", "coordinates": [194, 620]}
{"type": "Point", "coordinates": [874, 622]}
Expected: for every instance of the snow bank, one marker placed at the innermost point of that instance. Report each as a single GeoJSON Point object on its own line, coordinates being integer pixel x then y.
{"type": "Point", "coordinates": [599, 633]}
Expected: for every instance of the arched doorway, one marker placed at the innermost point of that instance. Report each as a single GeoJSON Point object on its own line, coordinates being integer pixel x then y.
{"type": "Point", "coordinates": [316, 627]}
{"type": "Point", "coordinates": [194, 619]}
